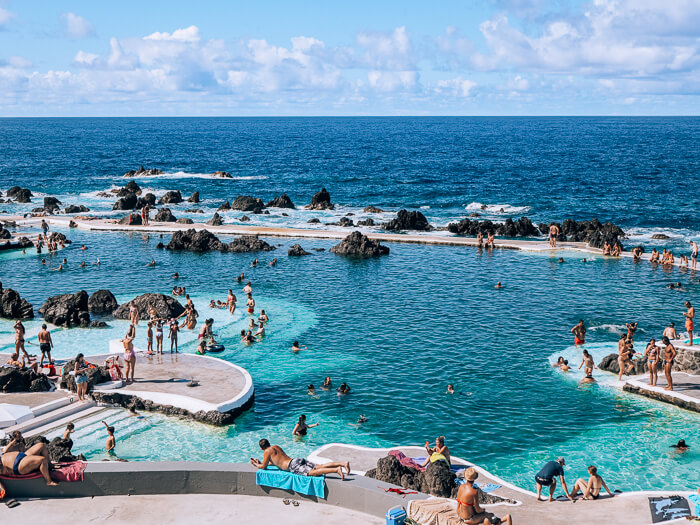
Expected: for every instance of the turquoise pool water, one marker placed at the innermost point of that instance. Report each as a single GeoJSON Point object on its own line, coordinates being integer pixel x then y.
{"type": "Point", "coordinates": [398, 329]}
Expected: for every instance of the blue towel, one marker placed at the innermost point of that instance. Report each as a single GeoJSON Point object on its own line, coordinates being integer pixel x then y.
{"type": "Point", "coordinates": [488, 487]}
{"type": "Point", "coordinates": [281, 479]}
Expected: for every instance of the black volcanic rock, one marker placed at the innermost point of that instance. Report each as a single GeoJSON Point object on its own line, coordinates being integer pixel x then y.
{"type": "Point", "coordinates": [72, 208]}
{"type": "Point", "coordinates": [194, 198]}
{"type": "Point", "coordinates": [171, 197]}
{"type": "Point", "coordinates": [22, 195]}
{"type": "Point", "coordinates": [133, 219]}
{"type": "Point", "coordinates": [359, 245]}
{"type": "Point", "coordinates": [149, 199]}
{"type": "Point", "coordinates": [247, 203]}
{"type": "Point", "coordinates": [67, 309]}
{"type": "Point", "coordinates": [129, 187]}
{"type": "Point", "coordinates": [224, 207]}
{"type": "Point", "coordinates": [295, 250]}
{"type": "Point", "coordinates": [283, 201]}
{"type": "Point", "coordinates": [195, 241]}
{"type": "Point", "coordinates": [143, 172]}
{"type": "Point", "coordinates": [222, 174]}
{"type": "Point", "coordinates": [523, 227]}
{"type": "Point", "coordinates": [321, 201]}
{"type": "Point", "coordinates": [22, 380]}
{"type": "Point", "coordinates": [366, 222]}
{"type": "Point", "coordinates": [216, 220]}
{"type": "Point", "coordinates": [102, 302]}
{"type": "Point", "coordinates": [12, 306]}
{"type": "Point", "coordinates": [164, 215]}
{"type": "Point", "coordinates": [184, 220]}
{"type": "Point", "coordinates": [51, 204]}
{"type": "Point", "coordinates": [128, 202]}
{"type": "Point", "coordinates": [245, 218]}
{"type": "Point", "coordinates": [166, 307]}
{"type": "Point", "coordinates": [408, 220]}
{"type": "Point", "coordinates": [372, 209]}
{"type": "Point", "coordinates": [249, 243]}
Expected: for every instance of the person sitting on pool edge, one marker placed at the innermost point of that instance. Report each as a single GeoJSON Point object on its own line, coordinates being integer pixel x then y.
{"type": "Point", "coordinates": [468, 508]}
{"type": "Point", "coordinates": [591, 489]}
{"type": "Point", "coordinates": [301, 466]}
{"type": "Point", "coordinates": [440, 449]}
{"type": "Point", "coordinates": [546, 477]}
{"type": "Point", "coordinates": [18, 460]}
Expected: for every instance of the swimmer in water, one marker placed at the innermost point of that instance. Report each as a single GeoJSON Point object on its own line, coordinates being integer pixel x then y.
{"type": "Point", "coordinates": [561, 260]}
{"type": "Point", "coordinates": [681, 446]}
{"type": "Point", "coordinates": [248, 288]}
{"type": "Point", "coordinates": [450, 389]}
{"type": "Point", "coordinates": [326, 383]}
{"type": "Point", "coordinates": [498, 285]}
{"type": "Point", "coordinates": [83, 247]}
{"type": "Point", "coordinates": [343, 389]}
{"type": "Point", "coordinates": [565, 366]}
{"type": "Point", "coordinates": [176, 275]}
{"type": "Point", "coordinates": [240, 278]}
{"type": "Point", "coordinates": [311, 390]}
{"type": "Point", "coordinates": [43, 261]}
{"type": "Point", "coordinates": [152, 263]}
{"type": "Point", "coordinates": [301, 427]}
{"type": "Point", "coordinates": [273, 262]}
{"type": "Point", "coordinates": [82, 264]}
{"type": "Point", "coordinates": [559, 362]}
{"type": "Point", "coordinates": [584, 260]}
{"type": "Point", "coordinates": [98, 262]}
{"type": "Point", "coordinates": [60, 268]}
{"type": "Point", "coordinates": [296, 348]}
{"type": "Point", "coordinates": [254, 263]}
{"type": "Point", "coordinates": [260, 331]}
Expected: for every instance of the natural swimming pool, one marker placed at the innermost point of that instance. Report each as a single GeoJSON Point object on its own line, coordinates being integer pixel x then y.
{"type": "Point", "coordinates": [398, 329]}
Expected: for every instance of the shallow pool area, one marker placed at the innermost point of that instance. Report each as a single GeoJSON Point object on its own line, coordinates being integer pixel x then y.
{"type": "Point", "coordinates": [398, 329]}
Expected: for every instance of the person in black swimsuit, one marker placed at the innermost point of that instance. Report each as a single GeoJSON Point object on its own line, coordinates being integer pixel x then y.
{"type": "Point", "coordinates": [18, 460]}
{"type": "Point", "coordinates": [301, 427]}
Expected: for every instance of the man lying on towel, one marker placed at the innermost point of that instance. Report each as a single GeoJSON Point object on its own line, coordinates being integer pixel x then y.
{"type": "Point", "coordinates": [275, 455]}
{"type": "Point", "coordinates": [18, 460]}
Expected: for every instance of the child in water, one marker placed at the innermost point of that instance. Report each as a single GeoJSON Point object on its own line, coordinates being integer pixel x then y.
{"type": "Point", "coordinates": [111, 441]}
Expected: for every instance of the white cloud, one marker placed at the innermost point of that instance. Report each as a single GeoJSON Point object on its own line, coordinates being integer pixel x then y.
{"type": "Point", "coordinates": [189, 34]}
{"type": "Point", "coordinates": [75, 26]}
{"type": "Point", "coordinates": [5, 17]}
{"type": "Point", "coordinates": [383, 50]}
{"type": "Point", "coordinates": [458, 87]}
{"type": "Point", "coordinates": [392, 80]}
{"type": "Point", "coordinates": [518, 83]}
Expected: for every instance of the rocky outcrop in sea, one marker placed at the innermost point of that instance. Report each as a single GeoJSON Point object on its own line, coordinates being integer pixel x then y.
{"type": "Point", "coordinates": [21, 195]}
{"type": "Point", "coordinates": [523, 227]}
{"type": "Point", "coordinates": [102, 302]}
{"type": "Point", "coordinates": [67, 309]}
{"type": "Point", "coordinates": [164, 215]}
{"type": "Point", "coordinates": [166, 307]}
{"type": "Point", "coordinates": [283, 201]}
{"type": "Point", "coordinates": [295, 250]}
{"type": "Point", "coordinates": [247, 203]}
{"type": "Point", "coordinates": [12, 306]}
{"type": "Point", "coordinates": [321, 201]}
{"type": "Point", "coordinates": [408, 220]}
{"type": "Point", "coordinates": [216, 220]}
{"type": "Point", "coordinates": [143, 172]}
{"type": "Point", "coordinates": [359, 245]}
{"type": "Point", "coordinates": [171, 197]}
{"type": "Point", "coordinates": [249, 243]}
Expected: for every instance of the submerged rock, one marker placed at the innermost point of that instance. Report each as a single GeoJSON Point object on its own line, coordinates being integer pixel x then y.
{"type": "Point", "coordinates": [216, 220]}
{"type": "Point", "coordinates": [366, 222]}
{"type": "Point", "coordinates": [249, 243]}
{"type": "Point", "coordinates": [166, 307]}
{"type": "Point", "coordinates": [408, 220]}
{"type": "Point", "coordinates": [283, 201]}
{"type": "Point", "coordinates": [185, 220]}
{"type": "Point", "coordinates": [195, 241]}
{"type": "Point", "coordinates": [98, 324]}
{"type": "Point", "coordinates": [295, 250]}
{"type": "Point", "coordinates": [247, 203]}
{"type": "Point", "coordinates": [102, 302]}
{"type": "Point", "coordinates": [194, 210]}
{"type": "Point", "coordinates": [373, 209]}
{"type": "Point", "coordinates": [171, 197]}
{"type": "Point", "coordinates": [67, 309]}
{"type": "Point", "coordinates": [345, 222]}
{"type": "Point", "coordinates": [321, 201]}
{"type": "Point", "coordinates": [313, 221]}
{"type": "Point", "coordinates": [245, 218]}
{"type": "Point", "coordinates": [12, 306]}
{"type": "Point", "coordinates": [194, 197]}
{"type": "Point", "coordinates": [164, 215]}
{"type": "Point", "coordinates": [222, 174]}
{"type": "Point", "coordinates": [359, 245]}
{"type": "Point", "coordinates": [143, 172]}
{"type": "Point", "coordinates": [224, 207]}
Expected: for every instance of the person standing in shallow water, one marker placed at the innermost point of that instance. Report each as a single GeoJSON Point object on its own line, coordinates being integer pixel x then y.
{"type": "Point", "coordinates": [553, 234]}
{"type": "Point", "coordinates": [689, 321]}
{"type": "Point", "coordinates": [579, 332]}
{"type": "Point", "coordinates": [669, 357]}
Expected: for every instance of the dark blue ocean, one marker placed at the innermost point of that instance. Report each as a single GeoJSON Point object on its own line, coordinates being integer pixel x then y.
{"type": "Point", "coordinates": [399, 328]}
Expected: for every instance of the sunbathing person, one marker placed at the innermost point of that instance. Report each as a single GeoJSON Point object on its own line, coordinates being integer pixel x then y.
{"type": "Point", "coordinates": [19, 461]}
{"type": "Point", "coordinates": [468, 508]}
{"type": "Point", "coordinates": [439, 449]}
{"type": "Point", "coordinates": [273, 454]}
{"type": "Point", "coordinates": [591, 489]}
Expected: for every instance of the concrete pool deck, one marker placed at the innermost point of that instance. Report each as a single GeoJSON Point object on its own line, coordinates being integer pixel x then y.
{"type": "Point", "coordinates": [225, 390]}
{"type": "Point", "coordinates": [685, 393]}
{"type": "Point", "coordinates": [182, 508]}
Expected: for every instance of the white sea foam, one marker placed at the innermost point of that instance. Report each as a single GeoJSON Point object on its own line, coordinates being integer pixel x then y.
{"type": "Point", "coordinates": [501, 209]}
{"type": "Point", "coordinates": [612, 328]}
{"type": "Point", "coordinates": [186, 175]}
{"type": "Point", "coordinates": [674, 234]}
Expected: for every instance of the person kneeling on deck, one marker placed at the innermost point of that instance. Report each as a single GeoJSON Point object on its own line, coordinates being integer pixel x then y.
{"type": "Point", "coordinates": [547, 478]}
{"type": "Point", "coordinates": [18, 460]}
{"type": "Point", "coordinates": [275, 455]}
{"type": "Point", "coordinates": [468, 508]}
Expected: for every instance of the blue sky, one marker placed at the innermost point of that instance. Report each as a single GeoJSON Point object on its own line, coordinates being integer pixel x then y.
{"type": "Point", "coordinates": [479, 57]}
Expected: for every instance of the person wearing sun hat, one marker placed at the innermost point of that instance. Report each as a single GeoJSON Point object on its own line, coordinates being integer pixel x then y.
{"type": "Point", "coordinates": [468, 508]}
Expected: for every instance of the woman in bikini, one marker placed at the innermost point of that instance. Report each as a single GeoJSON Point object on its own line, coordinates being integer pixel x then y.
{"type": "Point", "coordinates": [129, 359]}
{"type": "Point", "coordinates": [468, 509]}
{"type": "Point", "coordinates": [669, 356]}
{"type": "Point", "coordinates": [592, 488]}
{"type": "Point", "coordinates": [133, 314]}
{"type": "Point", "coordinates": [652, 356]}
{"type": "Point", "coordinates": [588, 361]}
{"type": "Point", "coordinates": [159, 336]}
{"type": "Point", "coordinates": [480, 239]}
{"type": "Point", "coordinates": [231, 302]}
{"type": "Point", "coordinates": [19, 339]}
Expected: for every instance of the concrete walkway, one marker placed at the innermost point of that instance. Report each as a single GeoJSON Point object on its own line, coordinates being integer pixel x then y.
{"type": "Point", "coordinates": [180, 509]}
{"type": "Point", "coordinates": [685, 393]}
{"type": "Point", "coordinates": [625, 509]}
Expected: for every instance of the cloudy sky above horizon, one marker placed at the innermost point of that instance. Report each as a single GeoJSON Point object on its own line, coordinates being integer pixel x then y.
{"type": "Point", "coordinates": [451, 57]}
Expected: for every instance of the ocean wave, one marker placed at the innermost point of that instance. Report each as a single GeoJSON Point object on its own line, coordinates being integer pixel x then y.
{"type": "Point", "coordinates": [502, 209]}
{"type": "Point", "coordinates": [612, 328]}
{"type": "Point", "coordinates": [187, 175]}
{"type": "Point", "coordinates": [673, 234]}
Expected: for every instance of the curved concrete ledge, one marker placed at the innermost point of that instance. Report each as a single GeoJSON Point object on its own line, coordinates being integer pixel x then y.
{"type": "Point", "coordinates": [115, 478]}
